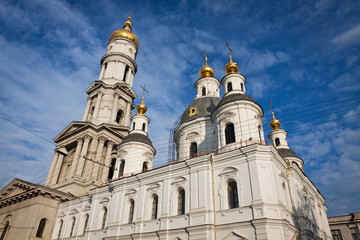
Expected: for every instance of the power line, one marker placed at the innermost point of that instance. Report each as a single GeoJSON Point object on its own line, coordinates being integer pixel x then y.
{"type": "Point", "coordinates": [18, 125]}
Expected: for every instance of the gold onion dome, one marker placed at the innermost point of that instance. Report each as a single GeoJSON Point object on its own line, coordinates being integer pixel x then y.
{"type": "Point", "coordinates": [206, 71]}
{"type": "Point", "coordinates": [275, 124]}
{"type": "Point", "coordinates": [125, 33]}
{"type": "Point", "coordinates": [141, 108]}
{"type": "Point", "coordinates": [231, 67]}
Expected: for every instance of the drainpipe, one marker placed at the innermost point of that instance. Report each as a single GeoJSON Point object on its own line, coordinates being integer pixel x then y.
{"type": "Point", "coordinates": [251, 191]}
{"type": "Point", "coordinates": [213, 190]}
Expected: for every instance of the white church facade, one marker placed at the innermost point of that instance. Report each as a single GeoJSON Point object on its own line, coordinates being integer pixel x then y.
{"type": "Point", "coordinates": [227, 182]}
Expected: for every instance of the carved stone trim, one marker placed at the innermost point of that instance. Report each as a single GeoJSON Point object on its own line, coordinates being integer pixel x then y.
{"type": "Point", "coordinates": [121, 55]}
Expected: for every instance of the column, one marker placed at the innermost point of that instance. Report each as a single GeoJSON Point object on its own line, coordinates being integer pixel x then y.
{"type": "Point", "coordinates": [131, 78]}
{"type": "Point", "coordinates": [97, 105]}
{"type": "Point", "coordinates": [99, 151]}
{"type": "Point", "coordinates": [58, 165]}
{"type": "Point", "coordinates": [114, 108]}
{"type": "Point", "coordinates": [105, 170]}
{"type": "Point", "coordinates": [127, 115]}
{"type": "Point", "coordinates": [87, 109]}
{"type": "Point", "coordinates": [75, 161]}
{"type": "Point", "coordinates": [90, 164]}
{"type": "Point", "coordinates": [52, 168]}
{"type": "Point", "coordinates": [101, 72]}
{"type": "Point", "coordinates": [84, 149]}
{"type": "Point", "coordinates": [128, 76]}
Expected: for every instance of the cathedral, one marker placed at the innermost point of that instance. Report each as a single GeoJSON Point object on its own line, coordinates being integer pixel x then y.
{"type": "Point", "coordinates": [226, 182]}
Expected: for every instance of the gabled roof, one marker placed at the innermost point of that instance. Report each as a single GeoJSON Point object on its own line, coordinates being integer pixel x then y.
{"type": "Point", "coordinates": [18, 190]}
{"type": "Point", "coordinates": [79, 126]}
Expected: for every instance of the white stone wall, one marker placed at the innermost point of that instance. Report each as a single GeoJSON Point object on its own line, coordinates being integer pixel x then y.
{"type": "Point", "coordinates": [202, 132]}
{"type": "Point", "coordinates": [246, 117]}
{"type": "Point", "coordinates": [266, 194]}
{"type": "Point", "coordinates": [211, 86]}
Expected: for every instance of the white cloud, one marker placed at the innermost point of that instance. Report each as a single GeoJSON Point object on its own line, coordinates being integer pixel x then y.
{"type": "Point", "coordinates": [348, 38]}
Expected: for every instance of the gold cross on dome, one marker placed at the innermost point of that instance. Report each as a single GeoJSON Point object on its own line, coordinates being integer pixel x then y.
{"type": "Point", "coordinates": [228, 45]}
{"type": "Point", "coordinates": [271, 107]}
{"type": "Point", "coordinates": [144, 90]}
{"type": "Point", "coordinates": [206, 55]}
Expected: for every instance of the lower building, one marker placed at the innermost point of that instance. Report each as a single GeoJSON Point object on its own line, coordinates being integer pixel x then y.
{"type": "Point", "coordinates": [28, 211]}
{"type": "Point", "coordinates": [345, 227]}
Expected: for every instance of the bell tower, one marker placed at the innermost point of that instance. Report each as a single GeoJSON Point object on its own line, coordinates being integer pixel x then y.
{"type": "Point", "coordinates": [85, 154]}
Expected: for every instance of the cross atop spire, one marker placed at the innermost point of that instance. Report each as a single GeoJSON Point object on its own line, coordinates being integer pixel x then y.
{"type": "Point", "coordinates": [144, 90]}
{"type": "Point", "coordinates": [230, 50]}
{"type": "Point", "coordinates": [206, 56]}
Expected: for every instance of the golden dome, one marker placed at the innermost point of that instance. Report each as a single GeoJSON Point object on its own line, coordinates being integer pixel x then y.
{"type": "Point", "coordinates": [275, 124]}
{"type": "Point", "coordinates": [141, 108]}
{"type": "Point", "coordinates": [231, 67]}
{"type": "Point", "coordinates": [206, 71]}
{"type": "Point", "coordinates": [125, 33]}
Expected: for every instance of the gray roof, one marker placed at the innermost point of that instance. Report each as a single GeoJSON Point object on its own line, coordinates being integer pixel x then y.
{"type": "Point", "coordinates": [204, 107]}
{"type": "Point", "coordinates": [137, 137]}
{"type": "Point", "coordinates": [285, 152]}
{"type": "Point", "coordinates": [236, 97]}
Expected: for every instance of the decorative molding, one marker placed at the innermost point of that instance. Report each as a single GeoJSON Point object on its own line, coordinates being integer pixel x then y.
{"type": "Point", "coordinates": [153, 188]}
{"type": "Point", "coordinates": [120, 55]}
{"type": "Point", "coordinates": [192, 136]}
{"type": "Point", "coordinates": [86, 208]}
{"type": "Point", "coordinates": [73, 211]}
{"type": "Point", "coordinates": [179, 182]}
{"type": "Point", "coordinates": [104, 201]}
{"type": "Point", "coordinates": [131, 193]}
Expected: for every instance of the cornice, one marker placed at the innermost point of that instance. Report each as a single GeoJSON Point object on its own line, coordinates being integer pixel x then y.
{"type": "Point", "coordinates": [31, 192]}
{"type": "Point", "coordinates": [124, 87]}
{"type": "Point", "coordinates": [121, 55]}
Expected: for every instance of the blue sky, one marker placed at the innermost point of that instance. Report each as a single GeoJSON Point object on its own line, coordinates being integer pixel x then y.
{"type": "Point", "coordinates": [294, 53]}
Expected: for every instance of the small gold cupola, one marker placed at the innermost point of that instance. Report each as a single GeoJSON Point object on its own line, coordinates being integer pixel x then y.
{"type": "Point", "coordinates": [125, 33]}
{"type": "Point", "coordinates": [141, 108]}
{"type": "Point", "coordinates": [231, 67]}
{"type": "Point", "coordinates": [206, 71]}
{"type": "Point", "coordinates": [275, 124]}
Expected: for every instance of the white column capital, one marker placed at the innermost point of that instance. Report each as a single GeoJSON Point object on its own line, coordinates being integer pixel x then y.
{"type": "Point", "coordinates": [102, 139]}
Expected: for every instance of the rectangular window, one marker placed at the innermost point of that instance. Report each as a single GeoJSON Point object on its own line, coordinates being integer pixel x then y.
{"type": "Point", "coordinates": [336, 234]}
{"type": "Point", "coordinates": [354, 234]}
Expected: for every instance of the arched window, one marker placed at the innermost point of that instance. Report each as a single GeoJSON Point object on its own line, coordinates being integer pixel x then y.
{"type": "Point", "coordinates": [119, 116]}
{"type": "Point", "coordinates": [242, 87]}
{"type": "Point", "coordinates": [181, 202]}
{"type": "Point", "coordinates": [131, 211]}
{"type": "Point", "coordinates": [41, 228]}
{"type": "Point", "coordinates": [111, 169]}
{"type": "Point", "coordinates": [154, 208]}
{"type": "Point", "coordinates": [259, 130]}
{"type": "Point", "coordinates": [143, 126]}
{"type": "Point", "coordinates": [144, 167]}
{"type": "Point", "coordinates": [229, 87]}
{"type": "Point", "coordinates": [233, 198]}
{"type": "Point", "coordinates": [106, 65]}
{"type": "Point", "coordinates": [203, 91]}
{"type": "Point", "coordinates": [104, 218]}
{"type": "Point", "coordinates": [229, 133]}
{"type": "Point", "coordinates": [193, 150]}
{"type": "Point", "coordinates": [86, 222]}
{"type": "Point", "coordinates": [91, 113]}
{"type": "Point", "coordinates": [122, 167]}
{"type": "Point", "coordinates": [3, 234]}
{"type": "Point", "coordinates": [72, 226]}
{"type": "Point", "coordinates": [133, 126]}
{"type": "Point", "coordinates": [277, 141]}
{"type": "Point", "coordinates": [60, 228]}
{"type": "Point", "coordinates": [125, 72]}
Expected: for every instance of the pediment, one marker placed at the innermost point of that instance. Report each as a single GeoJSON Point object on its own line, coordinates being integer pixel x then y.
{"type": "Point", "coordinates": [18, 190]}
{"type": "Point", "coordinates": [234, 236]}
{"type": "Point", "coordinates": [84, 127]}
{"type": "Point", "coordinates": [13, 189]}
